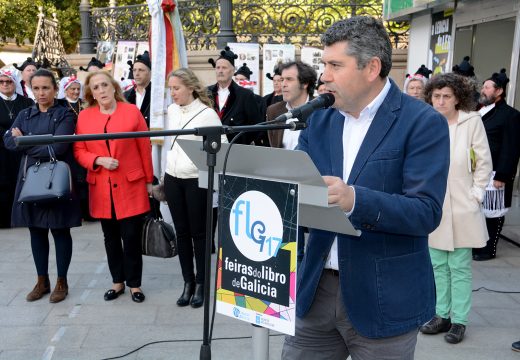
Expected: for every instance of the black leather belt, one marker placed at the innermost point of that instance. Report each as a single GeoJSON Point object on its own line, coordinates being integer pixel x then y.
{"type": "Point", "coordinates": [332, 272]}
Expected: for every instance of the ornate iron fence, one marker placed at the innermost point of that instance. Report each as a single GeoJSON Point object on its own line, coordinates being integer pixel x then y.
{"type": "Point", "coordinates": [298, 22]}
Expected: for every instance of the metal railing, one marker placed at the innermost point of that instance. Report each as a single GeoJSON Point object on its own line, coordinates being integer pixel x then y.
{"type": "Point", "coordinates": [298, 22]}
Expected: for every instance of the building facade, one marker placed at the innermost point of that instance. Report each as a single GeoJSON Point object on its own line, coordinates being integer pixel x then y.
{"type": "Point", "coordinates": [443, 32]}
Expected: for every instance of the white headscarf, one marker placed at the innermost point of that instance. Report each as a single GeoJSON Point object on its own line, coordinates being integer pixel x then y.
{"type": "Point", "coordinates": [66, 82]}
{"type": "Point", "coordinates": [127, 84]}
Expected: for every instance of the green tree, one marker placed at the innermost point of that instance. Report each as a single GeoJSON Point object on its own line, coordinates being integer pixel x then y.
{"type": "Point", "coordinates": [19, 18]}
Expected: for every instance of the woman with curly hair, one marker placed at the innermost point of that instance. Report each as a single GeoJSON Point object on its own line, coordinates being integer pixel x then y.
{"type": "Point", "coordinates": [462, 225]}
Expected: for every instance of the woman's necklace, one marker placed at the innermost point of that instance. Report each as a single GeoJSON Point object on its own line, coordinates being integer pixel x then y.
{"type": "Point", "coordinates": [72, 108]}
{"type": "Point", "coordinates": [10, 109]}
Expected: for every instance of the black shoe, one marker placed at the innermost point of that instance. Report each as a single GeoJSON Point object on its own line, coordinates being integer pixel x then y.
{"type": "Point", "coordinates": [198, 297]}
{"type": "Point", "coordinates": [113, 294]}
{"type": "Point", "coordinates": [483, 257]}
{"type": "Point", "coordinates": [185, 298]}
{"type": "Point", "coordinates": [456, 333]}
{"type": "Point", "coordinates": [436, 325]}
{"type": "Point", "coordinates": [515, 346]}
{"type": "Point", "coordinates": [137, 296]}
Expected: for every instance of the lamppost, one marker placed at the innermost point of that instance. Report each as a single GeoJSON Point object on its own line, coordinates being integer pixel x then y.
{"type": "Point", "coordinates": [226, 33]}
{"type": "Point", "coordinates": [86, 44]}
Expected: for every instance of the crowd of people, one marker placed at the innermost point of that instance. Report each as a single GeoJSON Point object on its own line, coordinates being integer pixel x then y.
{"type": "Point", "coordinates": [414, 172]}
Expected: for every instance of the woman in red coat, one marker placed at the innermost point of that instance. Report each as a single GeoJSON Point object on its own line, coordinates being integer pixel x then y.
{"type": "Point", "coordinates": [120, 178]}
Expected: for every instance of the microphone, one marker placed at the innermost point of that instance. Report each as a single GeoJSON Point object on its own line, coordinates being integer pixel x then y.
{"type": "Point", "coordinates": [323, 101]}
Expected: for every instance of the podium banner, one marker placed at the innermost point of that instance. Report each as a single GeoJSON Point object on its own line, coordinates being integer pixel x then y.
{"type": "Point", "coordinates": [256, 275]}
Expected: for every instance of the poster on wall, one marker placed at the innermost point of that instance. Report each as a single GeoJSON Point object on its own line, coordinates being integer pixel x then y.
{"type": "Point", "coordinates": [440, 42]}
{"type": "Point", "coordinates": [249, 54]}
{"type": "Point", "coordinates": [125, 51]}
{"type": "Point", "coordinates": [273, 55]}
{"type": "Point", "coordinates": [105, 53]}
{"type": "Point", "coordinates": [312, 56]}
{"type": "Point", "coordinates": [256, 275]}
{"type": "Point", "coordinates": [142, 46]}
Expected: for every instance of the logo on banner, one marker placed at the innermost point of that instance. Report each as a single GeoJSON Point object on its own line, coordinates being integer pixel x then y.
{"type": "Point", "coordinates": [256, 226]}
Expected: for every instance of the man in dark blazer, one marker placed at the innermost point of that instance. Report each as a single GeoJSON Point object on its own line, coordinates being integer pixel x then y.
{"type": "Point", "coordinates": [276, 95]}
{"type": "Point", "coordinates": [384, 157]}
{"type": "Point", "coordinates": [298, 84]}
{"type": "Point", "coordinates": [234, 105]}
{"type": "Point", "coordinates": [502, 124]}
{"type": "Point", "coordinates": [142, 75]}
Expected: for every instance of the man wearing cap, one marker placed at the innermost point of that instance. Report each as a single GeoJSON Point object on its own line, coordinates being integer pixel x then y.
{"type": "Point", "coordinates": [502, 124]}
{"type": "Point", "coordinates": [93, 65]}
{"type": "Point", "coordinates": [10, 105]}
{"type": "Point", "coordinates": [234, 105]}
{"type": "Point", "coordinates": [276, 95]}
{"type": "Point", "coordinates": [140, 94]}
{"type": "Point", "coordinates": [28, 68]}
{"type": "Point", "coordinates": [298, 84]}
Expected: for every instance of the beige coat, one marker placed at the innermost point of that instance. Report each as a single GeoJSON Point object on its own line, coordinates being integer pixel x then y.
{"type": "Point", "coordinates": [463, 224]}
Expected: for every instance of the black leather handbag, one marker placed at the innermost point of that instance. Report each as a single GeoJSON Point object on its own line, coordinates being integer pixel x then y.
{"type": "Point", "coordinates": [47, 181]}
{"type": "Point", "coordinates": [158, 238]}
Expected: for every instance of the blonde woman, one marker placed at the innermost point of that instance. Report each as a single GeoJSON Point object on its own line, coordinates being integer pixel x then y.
{"type": "Point", "coordinates": [119, 174]}
{"type": "Point", "coordinates": [192, 108]}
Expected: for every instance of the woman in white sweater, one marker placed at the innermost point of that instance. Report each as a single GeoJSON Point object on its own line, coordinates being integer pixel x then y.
{"type": "Point", "coordinates": [462, 226]}
{"type": "Point", "coordinates": [192, 108]}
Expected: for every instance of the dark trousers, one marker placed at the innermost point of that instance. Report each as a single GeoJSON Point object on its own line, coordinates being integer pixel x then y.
{"type": "Point", "coordinates": [187, 203]}
{"type": "Point", "coordinates": [40, 249]}
{"type": "Point", "coordinates": [125, 259]}
{"type": "Point", "coordinates": [494, 228]}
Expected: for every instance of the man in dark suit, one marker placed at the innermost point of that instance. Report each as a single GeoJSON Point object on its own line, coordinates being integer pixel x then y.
{"type": "Point", "coordinates": [234, 105]}
{"type": "Point", "coordinates": [298, 84]}
{"type": "Point", "coordinates": [140, 95]}
{"type": "Point", "coordinates": [502, 124]}
{"type": "Point", "coordinates": [276, 95]}
{"type": "Point", "coordinates": [384, 157]}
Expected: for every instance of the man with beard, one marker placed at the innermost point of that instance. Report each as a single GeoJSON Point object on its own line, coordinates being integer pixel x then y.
{"type": "Point", "coordinates": [10, 105]}
{"type": "Point", "coordinates": [234, 105]}
{"type": "Point", "coordinates": [502, 124]}
{"type": "Point", "coordinates": [140, 95]}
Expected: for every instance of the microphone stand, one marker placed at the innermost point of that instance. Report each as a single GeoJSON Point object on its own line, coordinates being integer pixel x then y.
{"type": "Point", "coordinates": [211, 137]}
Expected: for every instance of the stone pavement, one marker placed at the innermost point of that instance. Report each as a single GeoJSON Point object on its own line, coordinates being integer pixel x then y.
{"type": "Point", "coordinates": [84, 326]}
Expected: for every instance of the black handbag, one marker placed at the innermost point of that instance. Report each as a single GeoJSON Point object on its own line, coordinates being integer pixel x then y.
{"type": "Point", "coordinates": [158, 238]}
{"type": "Point", "coordinates": [47, 181]}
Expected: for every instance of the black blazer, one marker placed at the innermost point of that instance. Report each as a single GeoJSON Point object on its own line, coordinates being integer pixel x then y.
{"type": "Point", "coordinates": [145, 106]}
{"type": "Point", "coordinates": [502, 126]}
{"type": "Point", "coordinates": [241, 109]}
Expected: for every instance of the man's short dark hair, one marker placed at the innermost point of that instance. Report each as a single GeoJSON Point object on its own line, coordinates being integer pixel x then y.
{"type": "Point", "coordinates": [306, 74]}
{"type": "Point", "coordinates": [366, 38]}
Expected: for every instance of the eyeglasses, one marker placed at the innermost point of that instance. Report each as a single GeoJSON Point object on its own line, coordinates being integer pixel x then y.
{"type": "Point", "coordinates": [5, 82]}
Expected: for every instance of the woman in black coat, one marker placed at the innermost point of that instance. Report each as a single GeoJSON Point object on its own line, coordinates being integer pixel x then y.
{"type": "Point", "coordinates": [46, 117]}
{"type": "Point", "coordinates": [11, 104]}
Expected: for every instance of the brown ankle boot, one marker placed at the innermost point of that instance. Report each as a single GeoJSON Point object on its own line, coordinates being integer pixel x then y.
{"type": "Point", "coordinates": [60, 291]}
{"type": "Point", "coordinates": [41, 288]}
